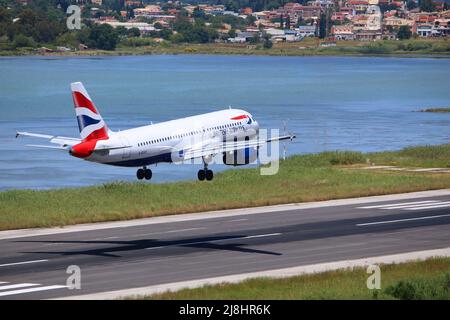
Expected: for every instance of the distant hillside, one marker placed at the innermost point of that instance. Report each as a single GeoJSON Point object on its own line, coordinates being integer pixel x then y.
{"type": "Point", "coordinates": [256, 5]}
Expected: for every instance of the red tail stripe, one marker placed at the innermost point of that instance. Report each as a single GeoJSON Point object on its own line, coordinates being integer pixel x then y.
{"type": "Point", "coordinates": [100, 134]}
{"type": "Point", "coordinates": [79, 100]}
{"type": "Point", "coordinates": [240, 117]}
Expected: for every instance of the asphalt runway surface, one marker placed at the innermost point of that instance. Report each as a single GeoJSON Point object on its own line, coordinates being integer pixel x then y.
{"type": "Point", "coordinates": [34, 267]}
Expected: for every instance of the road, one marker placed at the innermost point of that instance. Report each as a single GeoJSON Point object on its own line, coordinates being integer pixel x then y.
{"type": "Point", "coordinates": [115, 256]}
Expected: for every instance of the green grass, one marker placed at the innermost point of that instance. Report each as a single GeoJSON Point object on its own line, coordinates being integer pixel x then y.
{"type": "Point", "coordinates": [323, 176]}
{"type": "Point", "coordinates": [429, 279]}
{"type": "Point", "coordinates": [306, 47]}
{"type": "Point", "coordinates": [418, 156]}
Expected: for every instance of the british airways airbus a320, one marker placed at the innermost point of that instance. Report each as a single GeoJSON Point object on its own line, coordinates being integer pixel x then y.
{"type": "Point", "coordinates": [232, 133]}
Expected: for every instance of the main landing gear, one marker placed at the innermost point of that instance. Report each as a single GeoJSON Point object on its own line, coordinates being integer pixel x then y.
{"type": "Point", "coordinates": [144, 173]}
{"type": "Point", "coordinates": [205, 174]}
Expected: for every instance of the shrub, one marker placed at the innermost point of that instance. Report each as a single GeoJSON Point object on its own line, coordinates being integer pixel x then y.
{"type": "Point", "coordinates": [23, 41]}
{"type": "Point", "coordinates": [417, 45]}
{"type": "Point", "coordinates": [421, 289]}
{"type": "Point", "coordinates": [441, 47]}
{"type": "Point", "coordinates": [345, 157]}
{"type": "Point", "coordinates": [137, 42]}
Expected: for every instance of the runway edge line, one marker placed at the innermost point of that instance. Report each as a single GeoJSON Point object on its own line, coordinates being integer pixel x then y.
{"type": "Point", "coordinates": [22, 233]}
{"type": "Point", "coordinates": [276, 273]}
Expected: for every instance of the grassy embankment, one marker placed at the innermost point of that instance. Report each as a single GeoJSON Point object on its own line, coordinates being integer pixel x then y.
{"type": "Point", "coordinates": [307, 47]}
{"type": "Point", "coordinates": [329, 175]}
{"type": "Point", "coordinates": [429, 279]}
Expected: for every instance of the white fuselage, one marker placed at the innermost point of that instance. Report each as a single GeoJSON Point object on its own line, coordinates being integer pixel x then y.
{"type": "Point", "coordinates": [156, 142]}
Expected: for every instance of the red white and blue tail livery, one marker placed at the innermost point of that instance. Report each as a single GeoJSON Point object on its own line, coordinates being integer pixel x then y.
{"type": "Point", "coordinates": [90, 122]}
{"type": "Point", "coordinates": [232, 133]}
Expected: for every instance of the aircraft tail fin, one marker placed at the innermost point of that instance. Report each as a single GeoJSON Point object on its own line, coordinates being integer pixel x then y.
{"type": "Point", "coordinates": [90, 122]}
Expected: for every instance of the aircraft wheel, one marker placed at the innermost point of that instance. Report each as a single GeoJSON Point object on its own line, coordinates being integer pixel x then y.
{"type": "Point", "coordinates": [201, 175]}
{"type": "Point", "coordinates": [209, 175]}
{"type": "Point", "coordinates": [148, 174]}
{"type": "Point", "coordinates": [140, 174]}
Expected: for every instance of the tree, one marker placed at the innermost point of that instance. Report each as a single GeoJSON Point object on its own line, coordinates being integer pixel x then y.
{"type": "Point", "coordinates": [133, 32]}
{"type": "Point", "coordinates": [427, 5]}
{"type": "Point", "coordinates": [411, 4]}
{"type": "Point", "coordinates": [267, 44]}
{"type": "Point", "coordinates": [404, 32]}
{"type": "Point", "coordinates": [23, 41]}
{"type": "Point", "coordinates": [250, 20]}
{"type": "Point", "coordinates": [103, 37]}
{"type": "Point", "coordinates": [288, 22]}
{"type": "Point", "coordinates": [46, 31]}
{"type": "Point", "coordinates": [322, 26]}
{"type": "Point", "coordinates": [165, 33]}
{"type": "Point", "coordinates": [198, 13]}
{"type": "Point", "coordinates": [232, 33]}
{"type": "Point", "coordinates": [255, 39]}
{"type": "Point", "coordinates": [177, 38]}
{"type": "Point", "coordinates": [121, 31]}
{"type": "Point", "coordinates": [272, 5]}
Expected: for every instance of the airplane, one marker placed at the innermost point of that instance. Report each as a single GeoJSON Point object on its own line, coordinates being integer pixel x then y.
{"type": "Point", "coordinates": [232, 133]}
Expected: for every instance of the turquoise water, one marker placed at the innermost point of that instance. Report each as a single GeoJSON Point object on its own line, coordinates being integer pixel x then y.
{"type": "Point", "coordinates": [331, 103]}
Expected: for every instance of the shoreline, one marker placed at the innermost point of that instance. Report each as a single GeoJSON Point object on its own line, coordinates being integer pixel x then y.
{"type": "Point", "coordinates": [131, 54]}
{"type": "Point", "coordinates": [438, 49]}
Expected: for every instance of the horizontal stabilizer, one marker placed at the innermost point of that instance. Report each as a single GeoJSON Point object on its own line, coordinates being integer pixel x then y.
{"type": "Point", "coordinates": [46, 147]}
{"type": "Point", "coordinates": [62, 141]}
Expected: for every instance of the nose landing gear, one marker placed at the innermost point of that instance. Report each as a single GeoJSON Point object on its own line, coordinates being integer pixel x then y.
{"type": "Point", "coordinates": [144, 173]}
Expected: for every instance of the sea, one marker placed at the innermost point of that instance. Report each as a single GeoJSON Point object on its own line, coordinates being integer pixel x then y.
{"type": "Point", "coordinates": [329, 103]}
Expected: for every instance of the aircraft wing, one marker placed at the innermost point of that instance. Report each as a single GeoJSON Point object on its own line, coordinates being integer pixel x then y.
{"type": "Point", "coordinates": [230, 146]}
{"type": "Point", "coordinates": [63, 142]}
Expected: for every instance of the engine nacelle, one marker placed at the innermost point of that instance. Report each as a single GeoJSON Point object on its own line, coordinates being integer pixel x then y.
{"type": "Point", "coordinates": [240, 157]}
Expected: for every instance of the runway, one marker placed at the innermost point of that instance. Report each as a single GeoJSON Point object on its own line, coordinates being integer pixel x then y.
{"type": "Point", "coordinates": [116, 256]}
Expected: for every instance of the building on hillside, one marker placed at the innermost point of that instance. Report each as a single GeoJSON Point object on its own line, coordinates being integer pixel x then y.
{"type": "Point", "coordinates": [148, 11]}
{"type": "Point", "coordinates": [297, 11]}
{"type": "Point", "coordinates": [343, 32]}
{"type": "Point", "coordinates": [133, 3]}
{"type": "Point", "coordinates": [358, 6]}
{"type": "Point", "coordinates": [442, 27]}
{"type": "Point", "coordinates": [368, 35]}
{"type": "Point", "coordinates": [278, 35]}
{"type": "Point", "coordinates": [396, 22]}
{"type": "Point", "coordinates": [307, 31]}
{"type": "Point", "coordinates": [142, 26]}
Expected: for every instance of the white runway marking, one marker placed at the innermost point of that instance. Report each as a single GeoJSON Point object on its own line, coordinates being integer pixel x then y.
{"type": "Point", "coordinates": [16, 286]}
{"type": "Point", "coordinates": [397, 204]}
{"type": "Point", "coordinates": [416, 205]}
{"type": "Point", "coordinates": [23, 262]}
{"type": "Point", "coordinates": [402, 220]}
{"type": "Point", "coordinates": [162, 232]}
{"type": "Point", "coordinates": [182, 230]}
{"type": "Point", "coordinates": [21, 291]}
{"type": "Point", "coordinates": [438, 205]}
{"type": "Point", "coordinates": [262, 235]}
